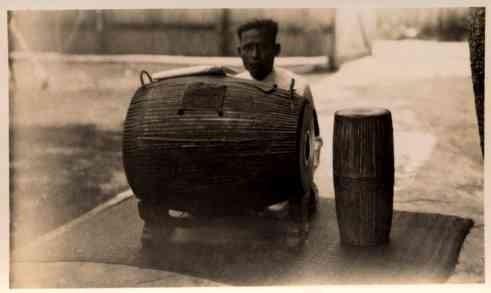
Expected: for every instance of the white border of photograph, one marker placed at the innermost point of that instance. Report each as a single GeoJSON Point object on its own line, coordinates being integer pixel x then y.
{"type": "Point", "coordinates": [115, 4]}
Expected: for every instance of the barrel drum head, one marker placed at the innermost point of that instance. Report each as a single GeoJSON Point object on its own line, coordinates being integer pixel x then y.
{"type": "Point", "coordinates": [305, 147]}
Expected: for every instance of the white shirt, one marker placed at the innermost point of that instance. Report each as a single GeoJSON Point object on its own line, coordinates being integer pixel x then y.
{"type": "Point", "coordinates": [283, 78]}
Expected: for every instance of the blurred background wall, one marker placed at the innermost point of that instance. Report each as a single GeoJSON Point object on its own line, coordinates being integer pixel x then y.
{"type": "Point", "coordinates": [442, 23]}
{"type": "Point", "coordinates": [211, 32]}
{"type": "Point", "coordinates": [338, 34]}
{"type": "Point", "coordinates": [193, 32]}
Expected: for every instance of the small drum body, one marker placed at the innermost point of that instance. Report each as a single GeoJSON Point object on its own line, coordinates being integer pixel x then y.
{"type": "Point", "coordinates": [217, 144]}
{"type": "Point", "coordinates": [363, 163]}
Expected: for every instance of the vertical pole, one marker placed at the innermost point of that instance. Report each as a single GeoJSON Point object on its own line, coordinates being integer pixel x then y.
{"type": "Point", "coordinates": [441, 23]}
{"type": "Point", "coordinates": [364, 33]}
{"type": "Point", "coordinates": [58, 32]}
{"type": "Point", "coordinates": [224, 33]}
{"type": "Point", "coordinates": [100, 31]}
{"type": "Point", "coordinates": [306, 33]}
{"type": "Point", "coordinates": [10, 40]}
{"type": "Point", "coordinates": [67, 46]}
{"type": "Point", "coordinates": [332, 43]}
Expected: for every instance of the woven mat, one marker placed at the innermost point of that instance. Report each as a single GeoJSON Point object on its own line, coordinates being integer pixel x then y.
{"type": "Point", "coordinates": [423, 248]}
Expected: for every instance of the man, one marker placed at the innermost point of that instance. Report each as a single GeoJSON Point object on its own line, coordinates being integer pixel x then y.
{"type": "Point", "coordinates": [258, 49]}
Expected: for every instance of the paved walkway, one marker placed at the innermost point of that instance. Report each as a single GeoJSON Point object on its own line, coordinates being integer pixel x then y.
{"type": "Point", "coordinates": [104, 251]}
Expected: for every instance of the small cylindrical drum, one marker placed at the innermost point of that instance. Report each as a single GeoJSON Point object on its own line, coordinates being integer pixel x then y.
{"type": "Point", "coordinates": [363, 165]}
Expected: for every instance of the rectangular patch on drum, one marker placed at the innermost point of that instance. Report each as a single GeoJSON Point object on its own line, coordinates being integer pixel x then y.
{"type": "Point", "coordinates": [203, 96]}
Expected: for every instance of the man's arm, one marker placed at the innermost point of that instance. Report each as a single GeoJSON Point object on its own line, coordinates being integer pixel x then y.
{"type": "Point", "coordinates": [310, 97]}
{"type": "Point", "coordinates": [318, 142]}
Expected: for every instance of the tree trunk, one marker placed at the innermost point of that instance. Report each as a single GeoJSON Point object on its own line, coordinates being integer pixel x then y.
{"type": "Point", "coordinates": [476, 45]}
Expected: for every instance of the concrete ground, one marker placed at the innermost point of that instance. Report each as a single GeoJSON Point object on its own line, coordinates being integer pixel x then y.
{"type": "Point", "coordinates": [439, 169]}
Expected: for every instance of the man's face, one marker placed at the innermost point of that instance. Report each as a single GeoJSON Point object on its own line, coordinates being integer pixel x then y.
{"type": "Point", "coordinates": [257, 52]}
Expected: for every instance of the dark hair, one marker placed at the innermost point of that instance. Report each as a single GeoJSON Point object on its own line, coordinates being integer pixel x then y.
{"type": "Point", "coordinates": [269, 26]}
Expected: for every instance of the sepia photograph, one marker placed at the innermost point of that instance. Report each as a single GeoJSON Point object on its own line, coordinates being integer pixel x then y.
{"type": "Point", "coordinates": [238, 147]}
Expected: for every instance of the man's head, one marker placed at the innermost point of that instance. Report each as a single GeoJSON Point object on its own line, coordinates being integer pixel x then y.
{"type": "Point", "coordinates": [258, 47]}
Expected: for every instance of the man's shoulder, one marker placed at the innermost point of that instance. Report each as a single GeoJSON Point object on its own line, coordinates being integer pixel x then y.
{"type": "Point", "coordinates": [288, 73]}
{"type": "Point", "coordinates": [285, 76]}
{"type": "Point", "coordinates": [282, 78]}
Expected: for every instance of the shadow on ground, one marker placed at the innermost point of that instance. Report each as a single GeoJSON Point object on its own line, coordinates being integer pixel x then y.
{"type": "Point", "coordinates": [58, 173]}
{"type": "Point", "coordinates": [423, 248]}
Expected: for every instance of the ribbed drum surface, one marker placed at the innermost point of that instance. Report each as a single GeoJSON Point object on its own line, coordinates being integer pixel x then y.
{"type": "Point", "coordinates": [213, 142]}
{"type": "Point", "coordinates": [363, 165]}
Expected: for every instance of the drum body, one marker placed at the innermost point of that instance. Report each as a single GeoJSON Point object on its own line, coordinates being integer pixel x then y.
{"type": "Point", "coordinates": [206, 144]}
{"type": "Point", "coordinates": [363, 165]}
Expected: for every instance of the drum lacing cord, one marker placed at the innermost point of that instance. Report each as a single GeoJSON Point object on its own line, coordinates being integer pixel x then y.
{"type": "Point", "coordinates": [292, 94]}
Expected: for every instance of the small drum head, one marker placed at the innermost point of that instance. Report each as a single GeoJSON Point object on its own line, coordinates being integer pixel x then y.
{"type": "Point", "coordinates": [362, 112]}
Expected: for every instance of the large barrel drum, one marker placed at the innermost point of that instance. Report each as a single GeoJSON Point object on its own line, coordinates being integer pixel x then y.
{"type": "Point", "coordinates": [213, 143]}
{"type": "Point", "coordinates": [363, 165]}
